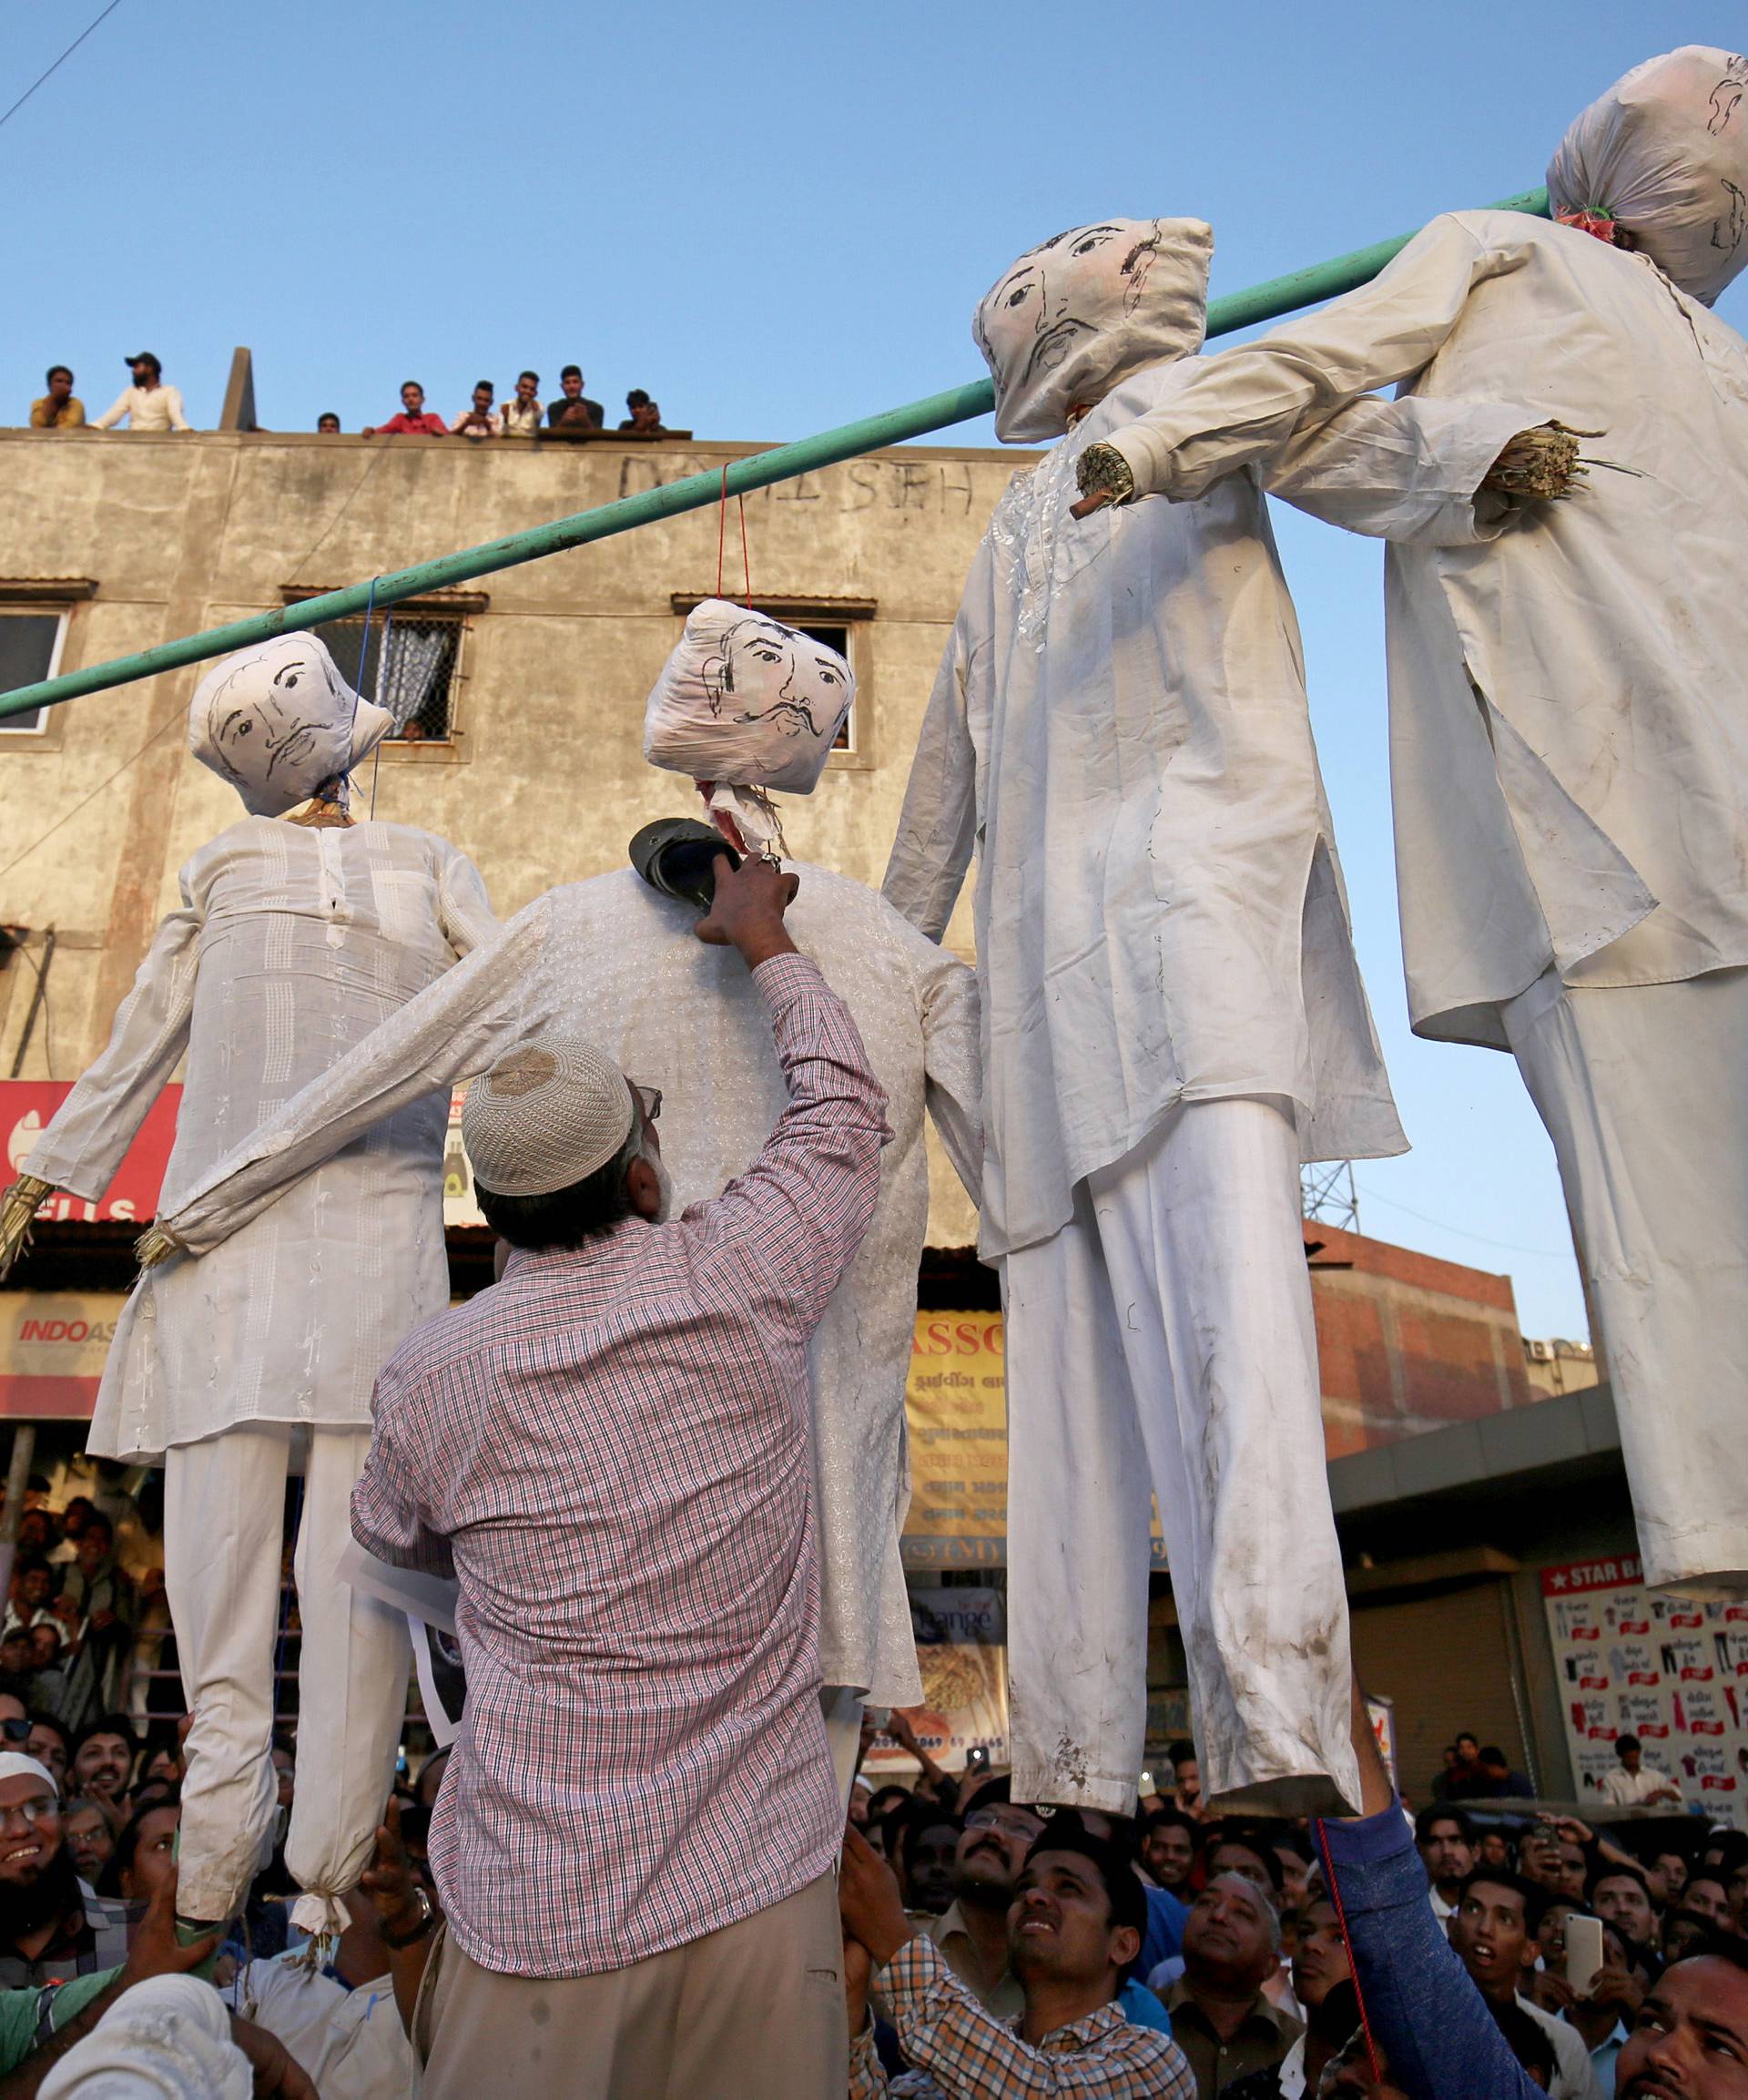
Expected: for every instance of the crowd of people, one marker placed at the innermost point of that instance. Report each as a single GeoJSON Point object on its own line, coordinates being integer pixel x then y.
{"type": "Point", "coordinates": [571, 413]}
{"type": "Point", "coordinates": [89, 1826]}
{"type": "Point", "coordinates": [149, 404]}
{"type": "Point", "coordinates": [84, 1615]}
{"type": "Point", "coordinates": [1241, 1943]}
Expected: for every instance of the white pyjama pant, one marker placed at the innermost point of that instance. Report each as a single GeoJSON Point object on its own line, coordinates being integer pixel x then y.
{"type": "Point", "coordinates": [224, 1502]}
{"type": "Point", "coordinates": [1165, 1338]}
{"type": "Point", "coordinates": [1643, 1089]}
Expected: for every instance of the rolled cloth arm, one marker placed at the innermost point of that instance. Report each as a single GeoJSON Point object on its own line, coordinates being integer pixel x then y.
{"type": "Point", "coordinates": [1539, 465]}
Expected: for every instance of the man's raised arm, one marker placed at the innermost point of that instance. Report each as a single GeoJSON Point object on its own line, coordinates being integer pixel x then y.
{"type": "Point", "coordinates": [797, 1216]}
{"type": "Point", "coordinates": [1439, 2041]}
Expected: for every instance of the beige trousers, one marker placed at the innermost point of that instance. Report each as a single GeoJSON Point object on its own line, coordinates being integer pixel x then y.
{"type": "Point", "coordinates": [754, 2012]}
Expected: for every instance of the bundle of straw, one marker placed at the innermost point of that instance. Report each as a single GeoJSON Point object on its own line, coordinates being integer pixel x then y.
{"type": "Point", "coordinates": [1538, 466]}
{"type": "Point", "coordinates": [1102, 470]}
{"type": "Point", "coordinates": [18, 1212]}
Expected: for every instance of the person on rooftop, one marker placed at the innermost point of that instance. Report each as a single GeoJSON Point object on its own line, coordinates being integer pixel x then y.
{"type": "Point", "coordinates": [480, 421]}
{"type": "Point", "coordinates": [60, 408]}
{"type": "Point", "coordinates": [646, 417]}
{"type": "Point", "coordinates": [521, 412]}
{"type": "Point", "coordinates": [413, 419]}
{"type": "Point", "coordinates": [574, 412]}
{"type": "Point", "coordinates": [148, 403]}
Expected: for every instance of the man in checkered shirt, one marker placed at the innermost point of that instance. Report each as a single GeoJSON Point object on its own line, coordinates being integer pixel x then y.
{"type": "Point", "coordinates": [1075, 1932]}
{"type": "Point", "coordinates": [636, 1835]}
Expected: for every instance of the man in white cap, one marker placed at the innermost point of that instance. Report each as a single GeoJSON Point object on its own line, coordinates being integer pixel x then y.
{"type": "Point", "coordinates": [293, 937]}
{"type": "Point", "coordinates": [609, 1449]}
{"type": "Point", "coordinates": [1569, 737]}
{"type": "Point", "coordinates": [51, 1923]}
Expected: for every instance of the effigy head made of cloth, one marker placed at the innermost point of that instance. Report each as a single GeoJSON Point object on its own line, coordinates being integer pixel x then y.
{"type": "Point", "coordinates": [1079, 315]}
{"type": "Point", "coordinates": [1663, 155]}
{"type": "Point", "coordinates": [278, 721]}
{"type": "Point", "coordinates": [745, 705]}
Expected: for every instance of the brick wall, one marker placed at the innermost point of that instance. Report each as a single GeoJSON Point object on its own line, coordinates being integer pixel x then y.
{"type": "Point", "coordinates": [1407, 1342]}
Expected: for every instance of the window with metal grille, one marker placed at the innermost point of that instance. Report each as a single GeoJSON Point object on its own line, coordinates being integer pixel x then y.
{"type": "Point", "coordinates": [411, 675]}
{"type": "Point", "coordinates": [30, 649]}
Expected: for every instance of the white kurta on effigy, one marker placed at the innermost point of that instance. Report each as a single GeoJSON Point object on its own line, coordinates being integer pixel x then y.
{"type": "Point", "coordinates": [613, 960]}
{"type": "Point", "coordinates": [1568, 741]}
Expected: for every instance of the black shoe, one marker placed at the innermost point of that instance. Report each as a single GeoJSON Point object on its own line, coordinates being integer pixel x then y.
{"type": "Point", "coordinates": [677, 856]}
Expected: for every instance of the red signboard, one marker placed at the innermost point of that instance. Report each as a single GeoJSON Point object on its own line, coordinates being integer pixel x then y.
{"type": "Point", "coordinates": [131, 1198]}
{"type": "Point", "coordinates": [1578, 1576]}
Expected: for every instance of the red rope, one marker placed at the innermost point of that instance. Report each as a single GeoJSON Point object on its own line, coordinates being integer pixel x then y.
{"type": "Point", "coordinates": [722, 532]}
{"type": "Point", "coordinates": [1346, 1940]}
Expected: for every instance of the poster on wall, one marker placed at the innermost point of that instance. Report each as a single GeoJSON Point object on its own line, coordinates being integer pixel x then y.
{"type": "Point", "coordinates": [956, 1406]}
{"type": "Point", "coordinates": [1669, 1670]}
{"type": "Point", "coordinates": [961, 1649]}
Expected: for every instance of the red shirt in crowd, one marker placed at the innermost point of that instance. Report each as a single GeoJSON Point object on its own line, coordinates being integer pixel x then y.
{"type": "Point", "coordinates": [405, 425]}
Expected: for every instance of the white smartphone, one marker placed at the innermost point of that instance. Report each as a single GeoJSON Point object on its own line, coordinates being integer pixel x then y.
{"type": "Point", "coordinates": [1583, 1953]}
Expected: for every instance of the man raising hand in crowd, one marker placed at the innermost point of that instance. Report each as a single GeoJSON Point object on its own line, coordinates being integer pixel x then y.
{"type": "Point", "coordinates": [1074, 1930]}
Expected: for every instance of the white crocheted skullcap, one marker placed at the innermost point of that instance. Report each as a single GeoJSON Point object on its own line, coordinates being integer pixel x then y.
{"type": "Point", "coordinates": [548, 1114]}
{"type": "Point", "coordinates": [14, 1765]}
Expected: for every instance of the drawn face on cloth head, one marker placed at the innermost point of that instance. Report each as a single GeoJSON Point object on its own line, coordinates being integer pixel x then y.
{"type": "Point", "coordinates": [277, 720]}
{"type": "Point", "coordinates": [1664, 154]}
{"type": "Point", "coordinates": [745, 705]}
{"type": "Point", "coordinates": [1077, 315]}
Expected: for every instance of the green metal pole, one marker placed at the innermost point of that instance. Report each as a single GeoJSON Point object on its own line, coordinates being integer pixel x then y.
{"type": "Point", "coordinates": [1266, 302]}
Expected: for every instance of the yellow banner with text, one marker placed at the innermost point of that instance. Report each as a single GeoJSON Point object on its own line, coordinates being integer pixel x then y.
{"type": "Point", "coordinates": [957, 1402]}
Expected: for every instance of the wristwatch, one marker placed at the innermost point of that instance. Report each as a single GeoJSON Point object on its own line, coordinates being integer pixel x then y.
{"type": "Point", "coordinates": [396, 1941]}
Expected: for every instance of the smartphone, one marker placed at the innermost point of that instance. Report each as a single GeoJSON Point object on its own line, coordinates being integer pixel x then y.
{"type": "Point", "coordinates": [1583, 1952]}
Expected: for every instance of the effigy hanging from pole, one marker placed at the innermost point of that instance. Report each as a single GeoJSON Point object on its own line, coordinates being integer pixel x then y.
{"type": "Point", "coordinates": [1174, 1020]}
{"type": "Point", "coordinates": [298, 932]}
{"type": "Point", "coordinates": [1568, 727]}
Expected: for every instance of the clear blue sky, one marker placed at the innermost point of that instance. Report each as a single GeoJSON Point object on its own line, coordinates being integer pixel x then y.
{"type": "Point", "coordinates": [776, 217]}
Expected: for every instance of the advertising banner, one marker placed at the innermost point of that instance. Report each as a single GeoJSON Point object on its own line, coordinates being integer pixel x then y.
{"type": "Point", "coordinates": [956, 1402]}
{"type": "Point", "coordinates": [961, 1647]}
{"type": "Point", "coordinates": [51, 1347]}
{"type": "Point", "coordinates": [1671, 1671]}
{"type": "Point", "coordinates": [25, 1108]}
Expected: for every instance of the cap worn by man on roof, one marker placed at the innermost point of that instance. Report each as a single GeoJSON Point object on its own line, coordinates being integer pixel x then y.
{"type": "Point", "coordinates": [1663, 155]}
{"type": "Point", "coordinates": [547, 1115]}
